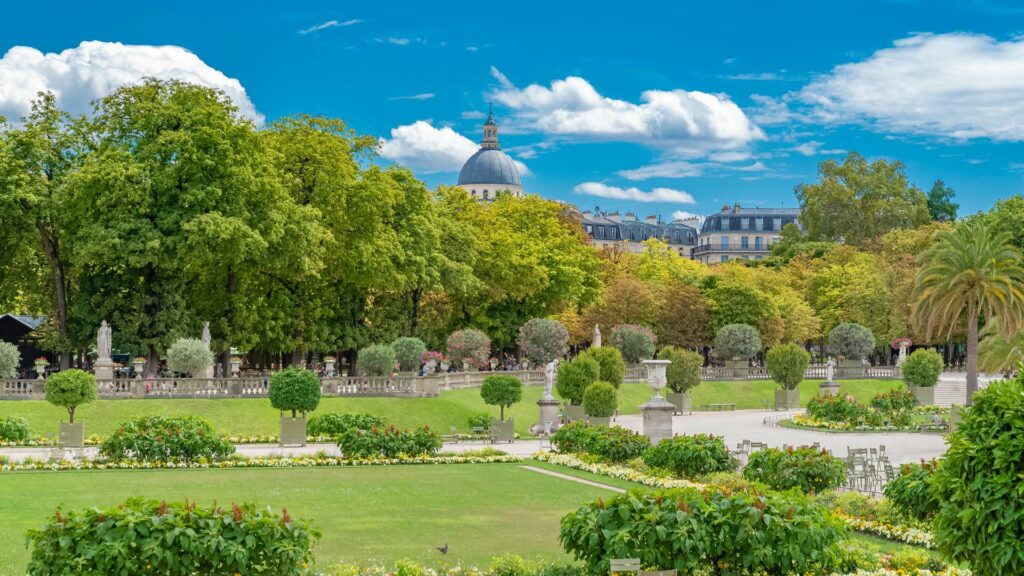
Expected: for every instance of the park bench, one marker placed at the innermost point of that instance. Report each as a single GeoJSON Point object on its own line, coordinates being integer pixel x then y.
{"type": "Point", "coordinates": [717, 407]}
{"type": "Point", "coordinates": [937, 424]}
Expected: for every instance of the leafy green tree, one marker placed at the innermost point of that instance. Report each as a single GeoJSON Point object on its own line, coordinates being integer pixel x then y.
{"type": "Point", "coordinates": [600, 400]}
{"type": "Point", "coordinates": [407, 352]}
{"type": "Point", "coordinates": [70, 389]}
{"type": "Point", "coordinates": [10, 358]}
{"type": "Point", "coordinates": [501, 390]}
{"type": "Point", "coordinates": [574, 377]}
{"type": "Point", "coordinates": [542, 340]}
{"type": "Point", "coordinates": [940, 202]}
{"type": "Point", "coordinates": [635, 342]}
{"type": "Point", "coordinates": [189, 356]}
{"type": "Point", "coordinates": [922, 368]}
{"type": "Point", "coordinates": [683, 374]}
{"type": "Point", "coordinates": [851, 341]}
{"type": "Point", "coordinates": [377, 360]}
{"type": "Point", "coordinates": [787, 364]}
{"type": "Point", "coordinates": [294, 389]}
{"type": "Point", "coordinates": [1007, 215]}
{"type": "Point", "coordinates": [737, 341]}
{"type": "Point", "coordinates": [612, 367]}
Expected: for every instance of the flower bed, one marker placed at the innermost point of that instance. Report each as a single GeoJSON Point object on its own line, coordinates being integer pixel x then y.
{"type": "Point", "coordinates": [613, 471]}
{"type": "Point", "coordinates": [896, 533]}
{"type": "Point", "coordinates": [811, 422]}
{"type": "Point", "coordinates": [96, 440]}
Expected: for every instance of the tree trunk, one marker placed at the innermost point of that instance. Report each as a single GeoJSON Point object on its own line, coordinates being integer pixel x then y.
{"type": "Point", "coordinates": [152, 364]}
{"type": "Point", "coordinates": [297, 357]}
{"type": "Point", "coordinates": [414, 316]}
{"type": "Point", "coordinates": [972, 358]}
{"type": "Point", "coordinates": [60, 304]}
{"type": "Point", "coordinates": [71, 414]}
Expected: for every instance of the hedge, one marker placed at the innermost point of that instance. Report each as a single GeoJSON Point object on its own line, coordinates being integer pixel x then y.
{"type": "Point", "coordinates": [166, 439]}
{"type": "Point", "coordinates": [808, 468]}
{"type": "Point", "coordinates": [690, 456]}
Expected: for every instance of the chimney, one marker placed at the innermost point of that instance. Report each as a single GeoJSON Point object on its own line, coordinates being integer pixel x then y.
{"type": "Point", "coordinates": [736, 208]}
{"type": "Point", "coordinates": [652, 219]}
{"type": "Point", "coordinates": [587, 213]}
{"type": "Point", "coordinates": [725, 208]}
{"type": "Point", "coordinates": [614, 216]}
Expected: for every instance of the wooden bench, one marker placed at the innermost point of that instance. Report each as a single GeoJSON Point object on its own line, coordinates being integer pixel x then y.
{"type": "Point", "coordinates": [717, 407]}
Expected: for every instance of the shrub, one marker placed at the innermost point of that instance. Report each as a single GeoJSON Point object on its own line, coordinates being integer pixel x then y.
{"type": "Point", "coordinates": [165, 438]}
{"type": "Point", "coordinates": [334, 424]}
{"type": "Point", "coordinates": [737, 341]}
{"type": "Point", "coordinates": [294, 389]}
{"type": "Point", "coordinates": [840, 408]}
{"type": "Point", "coordinates": [894, 401]}
{"type": "Point", "coordinates": [376, 360]}
{"type": "Point", "coordinates": [683, 374]}
{"type": "Point", "coordinates": [851, 340]}
{"type": "Point", "coordinates": [149, 537]}
{"type": "Point", "coordinates": [470, 345]}
{"type": "Point", "coordinates": [574, 377]}
{"type": "Point", "coordinates": [922, 368]}
{"type": "Point", "coordinates": [407, 352]}
{"type": "Point", "coordinates": [389, 442]}
{"type": "Point", "coordinates": [71, 389]}
{"type": "Point", "coordinates": [787, 364]}
{"type": "Point", "coordinates": [690, 530]}
{"type": "Point", "coordinates": [500, 390]}
{"type": "Point", "coordinates": [189, 356]}
{"type": "Point", "coordinates": [911, 493]}
{"type": "Point", "coordinates": [613, 443]}
{"type": "Point", "coordinates": [807, 468]}
{"type": "Point", "coordinates": [10, 358]}
{"type": "Point", "coordinates": [600, 400]}
{"type": "Point", "coordinates": [510, 565]}
{"type": "Point", "coordinates": [609, 360]}
{"type": "Point", "coordinates": [635, 342]}
{"type": "Point", "coordinates": [482, 420]}
{"type": "Point", "coordinates": [691, 456]}
{"type": "Point", "coordinates": [542, 340]}
{"type": "Point", "coordinates": [14, 429]}
{"type": "Point", "coordinates": [978, 483]}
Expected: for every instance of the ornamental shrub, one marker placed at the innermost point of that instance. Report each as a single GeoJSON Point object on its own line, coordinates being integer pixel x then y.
{"type": "Point", "coordinates": [839, 408]}
{"type": "Point", "coordinates": [481, 420]}
{"type": "Point", "coordinates": [894, 401]}
{"type": "Point", "coordinates": [165, 438]}
{"type": "Point", "coordinates": [295, 389]}
{"type": "Point", "coordinates": [70, 389]}
{"type": "Point", "coordinates": [10, 358]}
{"type": "Point", "coordinates": [14, 429]}
{"type": "Point", "coordinates": [609, 359]}
{"type": "Point", "coordinates": [613, 443]}
{"type": "Point", "coordinates": [690, 456]}
{"type": "Point", "coordinates": [501, 390]}
{"type": "Point", "coordinates": [407, 352]}
{"type": "Point", "coordinates": [189, 356]}
{"type": "Point", "coordinates": [389, 442]}
{"type": "Point", "coordinates": [574, 377]}
{"type": "Point", "coordinates": [600, 400]}
{"type": "Point", "coordinates": [469, 345]}
{"type": "Point", "coordinates": [808, 468]}
{"type": "Point", "coordinates": [911, 492]}
{"type": "Point", "coordinates": [635, 342]}
{"type": "Point", "coordinates": [683, 374]}
{"type": "Point", "coordinates": [737, 341]}
{"type": "Point", "coordinates": [851, 341]}
{"type": "Point", "coordinates": [692, 529]}
{"type": "Point", "coordinates": [979, 481]}
{"type": "Point", "coordinates": [542, 340]}
{"type": "Point", "coordinates": [335, 424]}
{"type": "Point", "coordinates": [787, 364]}
{"type": "Point", "coordinates": [376, 360]}
{"type": "Point", "coordinates": [149, 537]}
{"type": "Point", "coordinates": [922, 368]}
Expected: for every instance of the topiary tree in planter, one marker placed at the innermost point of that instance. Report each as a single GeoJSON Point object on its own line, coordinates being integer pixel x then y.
{"type": "Point", "coordinates": [189, 356]}
{"type": "Point", "coordinates": [376, 360]}
{"type": "Point", "coordinates": [503, 391]}
{"type": "Point", "coordinates": [469, 346]}
{"type": "Point", "coordinates": [612, 366]}
{"type": "Point", "coordinates": [542, 340]}
{"type": "Point", "coordinates": [921, 371]}
{"type": "Point", "coordinates": [736, 343]}
{"type": "Point", "coordinates": [10, 358]}
{"type": "Point", "coordinates": [787, 364]}
{"type": "Point", "coordinates": [407, 352]}
{"type": "Point", "coordinates": [572, 380]}
{"type": "Point", "coordinates": [852, 342]}
{"type": "Point", "coordinates": [600, 401]}
{"type": "Point", "coordinates": [296, 390]}
{"type": "Point", "coordinates": [634, 341]}
{"type": "Point", "coordinates": [71, 389]}
{"type": "Point", "coordinates": [682, 375]}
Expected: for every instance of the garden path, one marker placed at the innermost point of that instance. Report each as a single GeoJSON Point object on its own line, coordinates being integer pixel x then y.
{"type": "Point", "coordinates": [574, 479]}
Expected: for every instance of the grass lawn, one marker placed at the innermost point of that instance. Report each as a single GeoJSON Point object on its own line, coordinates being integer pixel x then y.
{"type": "Point", "coordinates": [451, 408]}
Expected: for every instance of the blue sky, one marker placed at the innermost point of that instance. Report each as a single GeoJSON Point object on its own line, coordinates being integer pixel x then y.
{"type": "Point", "coordinates": [650, 107]}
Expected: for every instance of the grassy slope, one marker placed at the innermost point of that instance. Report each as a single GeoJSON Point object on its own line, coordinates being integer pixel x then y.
{"type": "Point", "coordinates": [255, 416]}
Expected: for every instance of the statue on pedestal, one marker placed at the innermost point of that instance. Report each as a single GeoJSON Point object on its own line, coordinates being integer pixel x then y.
{"type": "Point", "coordinates": [103, 342]}
{"type": "Point", "coordinates": [206, 334]}
{"type": "Point", "coordinates": [549, 378]}
{"type": "Point", "coordinates": [596, 342]}
{"type": "Point", "coordinates": [830, 370]}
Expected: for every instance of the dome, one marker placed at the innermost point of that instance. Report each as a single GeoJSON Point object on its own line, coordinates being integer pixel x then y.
{"type": "Point", "coordinates": [489, 166]}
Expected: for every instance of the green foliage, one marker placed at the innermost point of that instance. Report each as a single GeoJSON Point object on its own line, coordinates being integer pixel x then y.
{"type": "Point", "coordinates": [609, 359]}
{"type": "Point", "coordinates": [165, 438]}
{"type": "Point", "coordinates": [683, 374]}
{"type": "Point", "coordinates": [294, 389]}
{"type": "Point", "coordinates": [501, 390]}
{"type": "Point", "coordinates": [851, 340]}
{"type": "Point", "coordinates": [691, 529]}
{"type": "Point", "coordinates": [542, 340]}
{"type": "Point", "coordinates": [469, 345]}
{"type": "Point", "coordinates": [377, 360]}
{"type": "Point", "coordinates": [690, 456]}
{"type": "Point", "coordinates": [13, 429]}
{"type": "Point", "coordinates": [839, 408]}
{"type": "Point", "coordinates": [940, 202]}
{"type": "Point", "coordinates": [911, 492]}
{"type": "Point", "coordinates": [894, 401]}
{"type": "Point", "coordinates": [787, 364]}
{"type": "Point", "coordinates": [736, 341]}
{"type": "Point", "coordinates": [922, 368]}
{"type": "Point", "coordinates": [172, 539]}
{"type": "Point", "coordinates": [189, 356]}
{"type": "Point", "coordinates": [71, 389]}
{"type": "Point", "coordinates": [335, 424]}
{"type": "Point", "coordinates": [978, 483]}
{"type": "Point", "coordinates": [808, 468]}
{"type": "Point", "coordinates": [600, 399]}
{"type": "Point", "coordinates": [574, 377]}
{"type": "Point", "coordinates": [613, 443]}
{"type": "Point", "coordinates": [635, 342]}
{"type": "Point", "coordinates": [482, 420]}
{"type": "Point", "coordinates": [389, 442]}
{"type": "Point", "coordinates": [10, 358]}
{"type": "Point", "coordinates": [407, 352]}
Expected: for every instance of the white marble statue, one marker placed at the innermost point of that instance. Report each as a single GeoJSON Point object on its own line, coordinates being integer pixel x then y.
{"type": "Point", "coordinates": [549, 378]}
{"type": "Point", "coordinates": [596, 343]}
{"type": "Point", "coordinates": [103, 342]}
{"type": "Point", "coordinates": [830, 370]}
{"type": "Point", "coordinates": [206, 334]}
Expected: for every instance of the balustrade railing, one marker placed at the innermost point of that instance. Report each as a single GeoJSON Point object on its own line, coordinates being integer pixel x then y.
{"type": "Point", "coordinates": [814, 372]}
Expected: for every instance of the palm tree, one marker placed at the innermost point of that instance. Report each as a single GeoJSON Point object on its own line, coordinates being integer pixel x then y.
{"type": "Point", "coordinates": [997, 353]}
{"type": "Point", "coordinates": [969, 272]}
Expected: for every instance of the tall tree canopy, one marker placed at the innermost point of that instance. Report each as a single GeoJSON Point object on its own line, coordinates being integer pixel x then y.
{"type": "Point", "coordinates": [940, 202]}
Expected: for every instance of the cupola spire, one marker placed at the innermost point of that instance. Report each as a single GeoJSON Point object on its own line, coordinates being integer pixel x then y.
{"type": "Point", "coordinates": [490, 130]}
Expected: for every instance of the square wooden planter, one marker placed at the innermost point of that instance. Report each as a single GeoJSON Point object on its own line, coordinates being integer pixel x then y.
{"type": "Point", "coordinates": [573, 413]}
{"type": "Point", "coordinates": [503, 431]}
{"type": "Point", "coordinates": [925, 395]}
{"type": "Point", "coordinates": [72, 435]}
{"type": "Point", "coordinates": [683, 401]}
{"type": "Point", "coordinates": [787, 399]}
{"type": "Point", "coordinates": [293, 431]}
{"type": "Point", "coordinates": [599, 421]}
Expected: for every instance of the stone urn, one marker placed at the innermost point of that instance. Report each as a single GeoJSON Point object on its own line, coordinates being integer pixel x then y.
{"type": "Point", "coordinates": [293, 431]}
{"type": "Point", "coordinates": [137, 365]}
{"type": "Point", "coordinates": [236, 365]}
{"type": "Point", "coordinates": [683, 401]}
{"type": "Point", "coordinates": [925, 395]}
{"type": "Point", "coordinates": [787, 399]}
{"type": "Point", "coordinates": [657, 412]}
{"type": "Point", "coordinates": [72, 435]}
{"type": "Point", "coordinates": [329, 365]}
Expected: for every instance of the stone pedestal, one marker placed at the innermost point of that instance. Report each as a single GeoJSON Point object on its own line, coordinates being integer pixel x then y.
{"type": "Point", "coordinates": [657, 419]}
{"type": "Point", "coordinates": [548, 408]}
{"type": "Point", "coordinates": [103, 369]}
{"type": "Point", "coordinates": [829, 388]}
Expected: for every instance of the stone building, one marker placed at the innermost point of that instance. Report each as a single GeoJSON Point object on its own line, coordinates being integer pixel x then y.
{"type": "Point", "coordinates": [490, 171]}
{"type": "Point", "coordinates": [629, 232]}
{"type": "Point", "coordinates": [745, 233]}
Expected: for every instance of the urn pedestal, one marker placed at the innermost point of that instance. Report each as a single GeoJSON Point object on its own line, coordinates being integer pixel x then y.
{"type": "Point", "coordinates": [829, 388]}
{"type": "Point", "coordinates": [548, 416]}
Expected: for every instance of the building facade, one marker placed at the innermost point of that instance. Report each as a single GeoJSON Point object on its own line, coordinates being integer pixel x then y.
{"type": "Point", "coordinates": [629, 232]}
{"type": "Point", "coordinates": [490, 171]}
{"type": "Point", "coordinates": [742, 233]}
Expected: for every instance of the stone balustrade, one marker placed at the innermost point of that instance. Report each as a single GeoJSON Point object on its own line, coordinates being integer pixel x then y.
{"type": "Point", "coordinates": [814, 372]}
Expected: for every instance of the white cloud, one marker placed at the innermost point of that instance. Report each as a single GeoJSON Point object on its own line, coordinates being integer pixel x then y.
{"type": "Point", "coordinates": [472, 48]}
{"type": "Point", "coordinates": [330, 24]}
{"type": "Point", "coordinates": [423, 96]}
{"type": "Point", "coordinates": [635, 194]}
{"type": "Point", "coordinates": [684, 215]}
{"type": "Point", "coordinates": [757, 76]}
{"type": "Point", "coordinates": [398, 41]}
{"type": "Point", "coordinates": [688, 169]}
{"type": "Point", "coordinates": [956, 85]}
{"type": "Point", "coordinates": [473, 115]}
{"type": "Point", "coordinates": [813, 148]}
{"type": "Point", "coordinates": [427, 149]}
{"type": "Point", "coordinates": [93, 69]}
